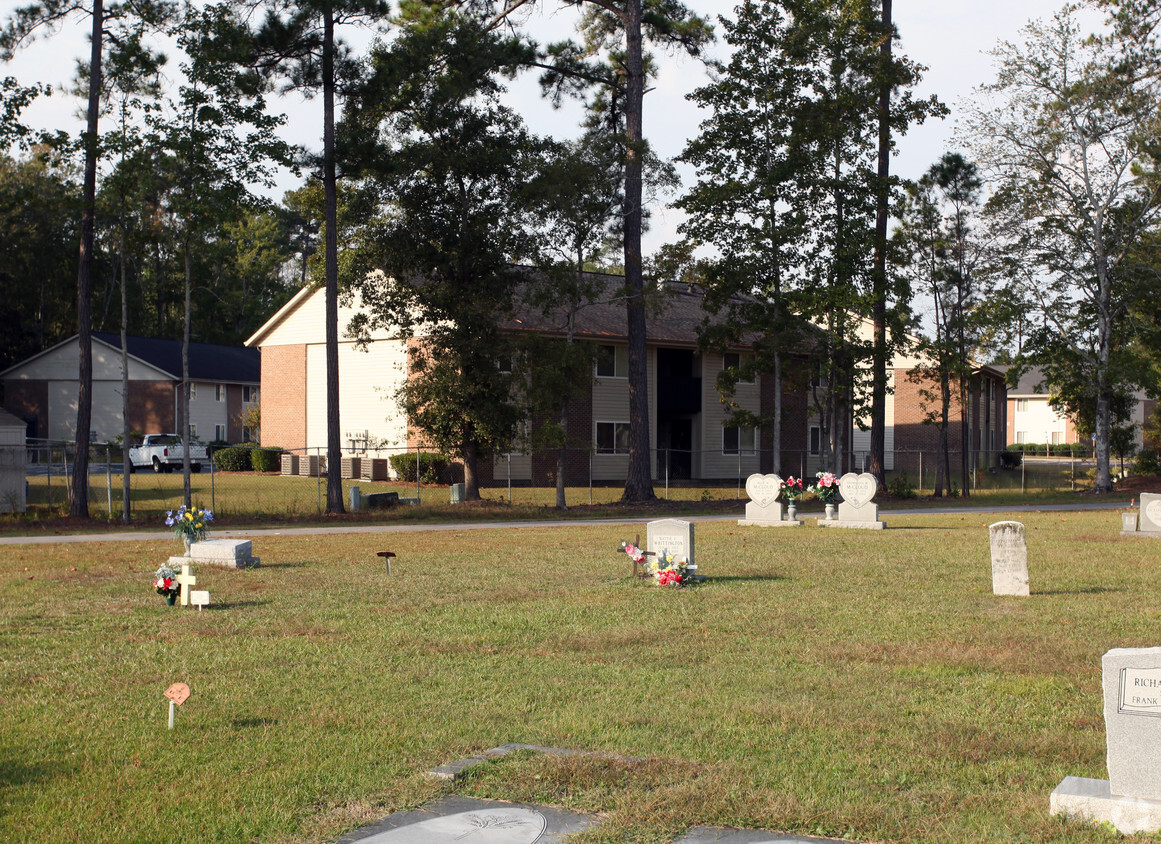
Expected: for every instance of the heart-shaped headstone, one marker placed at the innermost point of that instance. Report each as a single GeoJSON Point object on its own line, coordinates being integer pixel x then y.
{"type": "Point", "coordinates": [763, 489]}
{"type": "Point", "coordinates": [858, 490]}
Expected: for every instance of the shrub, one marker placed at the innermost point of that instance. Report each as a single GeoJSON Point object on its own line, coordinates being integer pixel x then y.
{"type": "Point", "coordinates": [232, 459]}
{"type": "Point", "coordinates": [900, 487]}
{"type": "Point", "coordinates": [1010, 459]}
{"type": "Point", "coordinates": [266, 459]}
{"type": "Point", "coordinates": [431, 467]}
{"type": "Point", "coordinates": [1148, 462]}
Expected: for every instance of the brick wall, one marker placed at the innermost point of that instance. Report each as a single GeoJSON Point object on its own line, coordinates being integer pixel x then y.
{"type": "Point", "coordinates": [151, 406]}
{"type": "Point", "coordinates": [283, 396]}
{"type": "Point", "coordinates": [29, 401]}
{"type": "Point", "coordinates": [914, 432]}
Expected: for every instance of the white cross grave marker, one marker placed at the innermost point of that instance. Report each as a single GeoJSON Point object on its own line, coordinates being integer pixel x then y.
{"type": "Point", "coordinates": [186, 580]}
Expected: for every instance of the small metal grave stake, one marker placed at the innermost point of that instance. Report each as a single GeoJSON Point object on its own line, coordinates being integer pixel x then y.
{"type": "Point", "coordinates": [177, 694]}
{"type": "Point", "coordinates": [644, 568]}
{"type": "Point", "coordinates": [387, 555]}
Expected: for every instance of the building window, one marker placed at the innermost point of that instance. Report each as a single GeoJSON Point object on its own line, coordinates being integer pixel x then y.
{"type": "Point", "coordinates": [1021, 437]}
{"type": "Point", "coordinates": [1057, 437]}
{"type": "Point", "coordinates": [247, 435]}
{"type": "Point", "coordinates": [193, 390]}
{"type": "Point", "coordinates": [1021, 405]}
{"type": "Point", "coordinates": [737, 440]}
{"type": "Point", "coordinates": [219, 392]}
{"type": "Point", "coordinates": [734, 360]}
{"type": "Point", "coordinates": [220, 433]}
{"type": "Point", "coordinates": [613, 362]}
{"type": "Point", "coordinates": [193, 432]}
{"type": "Point", "coordinates": [815, 439]}
{"type": "Point", "coordinates": [612, 438]}
{"type": "Point", "coordinates": [249, 394]}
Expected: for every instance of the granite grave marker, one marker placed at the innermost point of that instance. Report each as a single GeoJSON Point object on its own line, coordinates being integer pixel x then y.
{"type": "Point", "coordinates": [856, 509]}
{"type": "Point", "coordinates": [670, 536]}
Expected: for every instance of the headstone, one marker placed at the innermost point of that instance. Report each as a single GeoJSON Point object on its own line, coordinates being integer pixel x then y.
{"type": "Point", "coordinates": [457, 493]}
{"type": "Point", "coordinates": [1130, 799]}
{"type": "Point", "coordinates": [228, 553]}
{"type": "Point", "coordinates": [1150, 513]}
{"type": "Point", "coordinates": [356, 499]}
{"type": "Point", "coordinates": [671, 536]}
{"type": "Point", "coordinates": [764, 509]}
{"type": "Point", "coordinates": [856, 510]}
{"type": "Point", "coordinates": [186, 580]}
{"type": "Point", "coordinates": [1128, 522]}
{"type": "Point", "coordinates": [1009, 559]}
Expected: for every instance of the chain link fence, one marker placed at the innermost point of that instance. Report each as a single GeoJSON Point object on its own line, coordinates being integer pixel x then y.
{"type": "Point", "coordinates": [255, 482]}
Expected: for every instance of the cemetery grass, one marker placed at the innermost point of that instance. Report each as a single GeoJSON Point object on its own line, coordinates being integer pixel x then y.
{"type": "Point", "coordinates": [842, 683]}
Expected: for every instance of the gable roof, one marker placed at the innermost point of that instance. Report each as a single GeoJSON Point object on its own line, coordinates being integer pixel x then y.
{"type": "Point", "coordinates": [207, 361]}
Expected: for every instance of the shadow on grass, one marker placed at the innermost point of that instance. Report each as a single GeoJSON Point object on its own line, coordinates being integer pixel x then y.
{"type": "Point", "coordinates": [12, 774]}
{"type": "Point", "coordinates": [279, 566]}
{"type": "Point", "coordinates": [746, 578]}
{"type": "Point", "coordinates": [235, 605]}
{"type": "Point", "coordinates": [243, 723]}
{"type": "Point", "coordinates": [1090, 590]}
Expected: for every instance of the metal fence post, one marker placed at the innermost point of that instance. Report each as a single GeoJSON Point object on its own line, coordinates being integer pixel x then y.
{"type": "Point", "coordinates": [109, 482]}
{"type": "Point", "coordinates": [666, 474]}
{"type": "Point", "coordinates": [509, 456]}
{"type": "Point", "coordinates": [921, 474]}
{"type": "Point", "coordinates": [590, 478]}
{"type": "Point", "coordinates": [213, 491]}
{"type": "Point", "coordinates": [318, 477]}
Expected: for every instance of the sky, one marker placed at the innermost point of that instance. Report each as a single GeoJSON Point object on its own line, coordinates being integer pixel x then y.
{"type": "Point", "coordinates": [949, 37]}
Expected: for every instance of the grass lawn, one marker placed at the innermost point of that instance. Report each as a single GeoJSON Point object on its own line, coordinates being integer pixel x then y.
{"type": "Point", "coordinates": [842, 683]}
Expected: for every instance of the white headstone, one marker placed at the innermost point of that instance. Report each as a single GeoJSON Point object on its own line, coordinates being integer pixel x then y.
{"type": "Point", "coordinates": [1009, 559]}
{"type": "Point", "coordinates": [671, 536]}
{"type": "Point", "coordinates": [856, 510]}
{"type": "Point", "coordinates": [1150, 513]}
{"type": "Point", "coordinates": [231, 553]}
{"type": "Point", "coordinates": [763, 508]}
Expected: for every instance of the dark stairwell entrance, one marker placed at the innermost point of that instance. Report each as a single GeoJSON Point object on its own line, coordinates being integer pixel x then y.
{"type": "Point", "coordinates": [678, 406]}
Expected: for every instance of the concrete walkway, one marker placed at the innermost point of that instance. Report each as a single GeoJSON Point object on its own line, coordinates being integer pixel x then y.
{"type": "Point", "coordinates": [250, 533]}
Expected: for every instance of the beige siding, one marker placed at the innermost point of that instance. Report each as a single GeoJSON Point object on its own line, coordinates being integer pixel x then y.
{"type": "Point", "coordinates": [367, 384]}
{"type": "Point", "coordinates": [63, 363]}
{"type": "Point", "coordinates": [206, 412]}
{"type": "Point", "coordinates": [861, 440]}
{"type": "Point", "coordinates": [611, 404]}
{"type": "Point", "coordinates": [306, 323]}
{"type": "Point", "coordinates": [715, 463]}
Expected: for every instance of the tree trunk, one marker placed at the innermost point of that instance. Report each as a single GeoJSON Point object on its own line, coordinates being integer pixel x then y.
{"type": "Point", "coordinates": [186, 435]}
{"type": "Point", "coordinates": [639, 480]}
{"type": "Point", "coordinates": [126, 465]}
{"type": "Point", "coordinates": [334, 452]}
{"type": "Point", "coordinates": [79, 498]}
{"type": "Point", "coordinates": [879, 273]}
{"type": "Point", "coordinates": [776, 434]}
{"type": "Point", "coordinates": [471, 471]}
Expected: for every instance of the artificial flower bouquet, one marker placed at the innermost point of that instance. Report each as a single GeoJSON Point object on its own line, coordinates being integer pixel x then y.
{"type": "Point", "coordinates": [165, 581]}
{"type": "Point", "coordinates": [189, 523]}
{"type": "Point", "coordinates": [791, 489]}
{"type": "Point", "coordinates": [825, 487]}
{"type": "Point", "coordinates": [669, 572]}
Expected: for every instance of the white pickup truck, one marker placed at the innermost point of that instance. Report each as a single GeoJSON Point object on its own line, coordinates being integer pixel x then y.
{"type": "Point", "coordinates": [165, 452]}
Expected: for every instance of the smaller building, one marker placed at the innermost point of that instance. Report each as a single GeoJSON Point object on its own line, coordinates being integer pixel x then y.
{"type": "Point", "coordinates": [1034, 420]}
{"type": "Point", "coordinates": [42, 390]}
{"type": "Point", "coordinates": [13, 464]}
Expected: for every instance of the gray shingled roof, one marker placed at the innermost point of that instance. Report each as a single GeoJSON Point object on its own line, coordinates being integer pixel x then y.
{"type": "Point", "coordinates": [207, 361]}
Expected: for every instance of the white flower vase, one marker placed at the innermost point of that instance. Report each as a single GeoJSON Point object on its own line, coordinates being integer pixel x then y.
{"type": "Point", "coordinates": [791, 511]}
{"type": "Point", "coordinates": [829, 512]}
{"type": "Point", "coordinates": [187, 542]}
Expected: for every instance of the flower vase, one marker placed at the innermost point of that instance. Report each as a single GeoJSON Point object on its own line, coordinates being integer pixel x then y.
{"type": "Point", "coordinates": [186, 541]}
{"type": "Point", "coordinates": [171, 598]}
{"type": "Point", "coordinates": [791, 511]}
{"type": "Point", "coordinates": [830, 512]}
